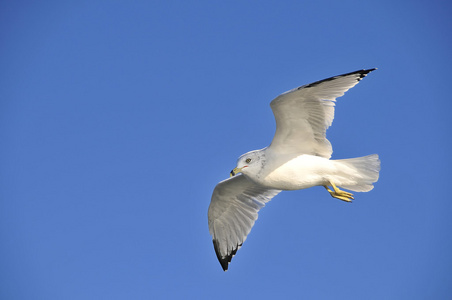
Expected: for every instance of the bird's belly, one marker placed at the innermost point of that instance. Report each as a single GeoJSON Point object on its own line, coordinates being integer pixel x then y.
{"type": "Point", "coordinates": [302, 172]}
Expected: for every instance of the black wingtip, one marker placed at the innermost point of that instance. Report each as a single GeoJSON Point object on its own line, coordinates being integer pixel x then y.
{"type": "Point", "coordinates": [224, 260]}
{"type": "Point", "coordinates": [362, 73]}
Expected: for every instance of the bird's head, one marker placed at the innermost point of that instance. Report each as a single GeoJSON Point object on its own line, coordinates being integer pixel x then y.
{"type": "Point", "coordinates": [248, 162]}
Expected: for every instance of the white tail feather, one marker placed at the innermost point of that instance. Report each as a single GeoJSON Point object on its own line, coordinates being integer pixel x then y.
{"type": "Point", "coordinates": [358, 174]}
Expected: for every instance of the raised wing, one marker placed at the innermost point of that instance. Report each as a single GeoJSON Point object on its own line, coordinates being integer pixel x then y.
{"type": "Point", "coordinates": [232, 213]}
{"type": "Point", "coordinates": [304, 114]}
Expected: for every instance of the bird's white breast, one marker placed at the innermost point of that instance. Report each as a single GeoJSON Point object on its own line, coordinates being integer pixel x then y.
{"type": "Point", "coordinates": [300, 172]}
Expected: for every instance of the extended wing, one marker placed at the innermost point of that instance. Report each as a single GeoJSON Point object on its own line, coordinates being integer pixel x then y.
{"type": "Point", "coordinates": [304, 114]}
{"type": "Point", "coordinates": [232, 213]}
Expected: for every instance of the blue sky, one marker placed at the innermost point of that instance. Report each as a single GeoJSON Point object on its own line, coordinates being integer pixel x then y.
{"type": "Point", "coordinates": [118, 118]}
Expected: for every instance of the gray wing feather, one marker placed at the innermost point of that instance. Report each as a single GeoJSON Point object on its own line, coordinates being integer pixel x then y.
{"type": "Point", "coordinates": [232, 212]}
{"type": "Point", "coordinates": [304, 114]}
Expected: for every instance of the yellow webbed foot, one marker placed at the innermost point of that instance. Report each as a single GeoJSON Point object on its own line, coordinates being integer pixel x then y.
{"type": "Point", "coordinates": [339, 194]}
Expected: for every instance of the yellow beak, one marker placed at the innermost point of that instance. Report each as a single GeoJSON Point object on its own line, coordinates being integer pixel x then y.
{"type": "Point", "coordinates": [235, 171]}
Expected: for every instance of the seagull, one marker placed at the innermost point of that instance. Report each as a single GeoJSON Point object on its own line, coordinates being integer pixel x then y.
{"type": "Point", "coordinates": [297, 158]}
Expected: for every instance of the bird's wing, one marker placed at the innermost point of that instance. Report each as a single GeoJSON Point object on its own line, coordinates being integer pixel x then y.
{"type": "Point", "coordinates": [304, 114]}
{"type": "Point", "coordinates": [232, 213]}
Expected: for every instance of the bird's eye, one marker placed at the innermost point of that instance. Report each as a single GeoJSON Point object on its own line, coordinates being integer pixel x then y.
{"type": "Point", "coordinates": [248, 160]}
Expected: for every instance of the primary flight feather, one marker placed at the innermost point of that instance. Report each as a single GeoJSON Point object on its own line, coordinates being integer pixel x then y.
{"type": "Point", "coordinates": [297, 158]}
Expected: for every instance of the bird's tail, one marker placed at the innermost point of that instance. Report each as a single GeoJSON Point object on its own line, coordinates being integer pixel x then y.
{"type": "Point", "coordinates": [360, 173]}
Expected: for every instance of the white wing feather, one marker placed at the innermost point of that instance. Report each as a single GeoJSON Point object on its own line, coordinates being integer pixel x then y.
{"type": "Point", "coordinates": [304, 114]}
{"type": "Point", "coordinates": [232, 213]}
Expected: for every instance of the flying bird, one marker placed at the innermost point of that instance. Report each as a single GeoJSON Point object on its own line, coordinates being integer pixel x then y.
{"type": "Point", "coordinates": [297, 158]}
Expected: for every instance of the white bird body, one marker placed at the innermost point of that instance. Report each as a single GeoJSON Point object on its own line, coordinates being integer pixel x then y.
{"type": "Point", "coordinates": [297, 158]}
{"type": "Point", "coordinates": [292, 172]}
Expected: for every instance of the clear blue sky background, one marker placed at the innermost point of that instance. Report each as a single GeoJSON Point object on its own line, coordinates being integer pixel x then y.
{"type": "Point", "coordinates": [118, 118]}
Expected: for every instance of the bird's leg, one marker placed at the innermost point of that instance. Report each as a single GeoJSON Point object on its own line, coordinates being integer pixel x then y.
{"type": "Point", "coordinates": [339, 194]}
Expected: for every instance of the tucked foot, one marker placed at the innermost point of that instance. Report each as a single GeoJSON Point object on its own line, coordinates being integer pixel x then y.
{"type": "Point", "coordinates": [339, 194]}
